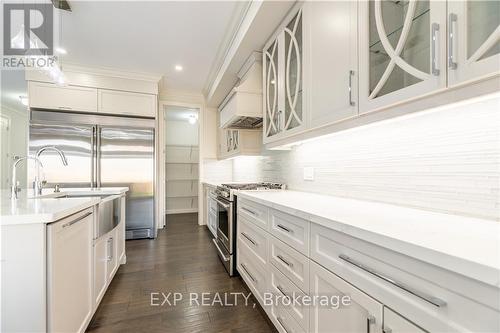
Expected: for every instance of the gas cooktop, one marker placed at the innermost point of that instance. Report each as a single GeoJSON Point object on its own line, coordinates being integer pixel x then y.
{"type": "Point", "coordinates": [253, 186]}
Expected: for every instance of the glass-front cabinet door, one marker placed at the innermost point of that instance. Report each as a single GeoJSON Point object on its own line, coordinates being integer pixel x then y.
{"type": "Point", "coordinates": [292, 39]}
{"type": "Point", "coordinates": [473, 40]}
{"type": "Point", "coordinates": [402, 51]}
{"type": "Point", "coordinates": [271, 69]}
{"type": "Point", "coordinates": [283, 77]}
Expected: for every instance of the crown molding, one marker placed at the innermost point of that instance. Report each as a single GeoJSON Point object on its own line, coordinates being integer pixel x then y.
{"type": "Point", "coordinates": [228, 43]}
{"type": "Point", "coordinates": [110, 72]}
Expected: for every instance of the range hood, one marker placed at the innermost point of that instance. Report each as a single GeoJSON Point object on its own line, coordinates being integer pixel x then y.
{"type": "Point", "coordinates": [242, 108]}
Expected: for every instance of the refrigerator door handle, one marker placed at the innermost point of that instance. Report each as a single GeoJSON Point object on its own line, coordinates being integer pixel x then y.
{"type": "Point", "coordinates": [98, 157]}
{"type": "Point", "coordinates": [93, 158]}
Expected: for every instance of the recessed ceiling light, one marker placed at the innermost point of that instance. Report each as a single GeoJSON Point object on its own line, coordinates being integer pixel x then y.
{"type": "Point", "coordinates": [60, 50]}
{"type": "Point", "coordinates": [178, 68]}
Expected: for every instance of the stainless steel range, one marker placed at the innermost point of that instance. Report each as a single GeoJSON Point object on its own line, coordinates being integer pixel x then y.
{"type": "Point", "coordinates": [226, 219]}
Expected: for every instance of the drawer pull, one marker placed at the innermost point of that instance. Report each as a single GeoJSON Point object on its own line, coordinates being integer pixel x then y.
{"type": "Point", "coordinates": [282, 324]}
{"type": "Point", "coordinates": [248, 273]}
{"type": "Point", "coordinates": [284, 228]}
{"type": "Point", "coordinates": [281, 290]}
{"type": "Point", "coordinates": [249, 211]}
{"type": "Point", "coordinates": [69, 224]}
{"type": "Point", "coordinates": [370, 320]}
{"type": "Point", "coordinates": [430, 299]}
{"type": "Point", "coordinates": [249, 239]}
{"type": "Point", "coordinates": [286, 262]}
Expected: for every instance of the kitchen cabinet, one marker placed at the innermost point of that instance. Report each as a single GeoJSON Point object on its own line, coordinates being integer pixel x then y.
{"type": "Point", "coordinates": [211, 211]}
{"type": "Point", "coordinates": [100, 269]}
{"type": "Point", "coordinates": [473, 40]}
{"type": "Point", "coordinates": [237, 142]}
{"type": "Point", "coordinates": [360, 313]}
{"type": "Point", "coordinates": [69, 273]}
{"type": "Point", "coordinates": [394, 323]}
{"type": "Point", "coordinates": [283, 80]}
{"type": "Point", "coordinates": [402, 51]}
{"type": "Point", "coordinates": [112, 262]}
{"type": "Point", "coordinates": [69, 98]}
{"type": "Point", "coordinates": [120, 235]}
{"type": "Point", "coordinates": [126, 103]}
{"type": "Point", "coordinates": [330, 61]}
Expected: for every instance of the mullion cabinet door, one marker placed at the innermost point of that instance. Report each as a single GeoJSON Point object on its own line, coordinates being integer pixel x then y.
{"type": "Point", "coordinates": [271, 76]}
{"type": "Point", "coordinates": [283, 81]}
{"type": "Point", "coordinates": [473, 40]}
{"type": "Point", "coordinates": [293, 74]}
{"type": "Point", "coordinates": [402, 51]}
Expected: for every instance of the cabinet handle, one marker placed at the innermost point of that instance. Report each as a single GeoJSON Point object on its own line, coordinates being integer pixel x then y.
{"type": "Point", "coordinates": [249, 211]}
{"type": "Point", "coordinates": [281, 290]}
{"type": "Point", "coordinates": [286, 262]}
{"type": "Point", "coordinates": [282, 324]}
{"type": "Point", "coordinates": [452, 19]}
{"type": "Point", "coordinates": [284, 228]}
{"type": "Point", "coordinates": [64, 108]}
{"type": "Point", "coordinates": [249, 239]}
{"type": "Point", "coordinates": [434, 51]}
{"type": "Point", "coordinates": [280, 123]}
{"type": "Point", "coordinates": [248, 273]}
{"type": "Point", "coordinates": [110, 247]}
{"type": "Point", "coordinates": [69, 224]}
{"type": "Point", "coordinates": [430, 299]}
{"type": "Point", "coordinates": [351, 102]}
{"type": "Point", "coordinates": [370, 320]}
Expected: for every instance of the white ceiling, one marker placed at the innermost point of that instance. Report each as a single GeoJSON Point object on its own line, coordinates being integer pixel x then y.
{"type": "Point", "coordinates": [151, 37]}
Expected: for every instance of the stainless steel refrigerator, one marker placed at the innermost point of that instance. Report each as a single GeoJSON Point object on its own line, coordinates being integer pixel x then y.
{"type": "Point", "coordinates": [102, 151]}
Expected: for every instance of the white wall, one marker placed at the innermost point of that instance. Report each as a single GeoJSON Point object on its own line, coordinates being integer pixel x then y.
{"type": "Point", "coordinates": [445, 160]}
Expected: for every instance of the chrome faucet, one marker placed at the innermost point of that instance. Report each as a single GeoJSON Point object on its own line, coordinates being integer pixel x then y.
{"type": "Point", "coordinates": [15, 188]}
{"type": "Point", "coordinates": [38, 184]}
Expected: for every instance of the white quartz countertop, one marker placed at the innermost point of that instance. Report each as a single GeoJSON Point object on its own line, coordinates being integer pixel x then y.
{"type": "Point", "coordinates": [466, 245]}
{"type": "Point", "coordinates": [47, 208]}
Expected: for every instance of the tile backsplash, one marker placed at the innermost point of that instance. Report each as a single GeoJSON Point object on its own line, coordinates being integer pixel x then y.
{"type": "Point", "coordinates": [445, 160]}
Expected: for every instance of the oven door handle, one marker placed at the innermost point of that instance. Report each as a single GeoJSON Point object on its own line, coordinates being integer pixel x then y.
{"type": "Point", "coordinates": [220, 251]}
{"type": "Point", "coordinates": [223, 204]}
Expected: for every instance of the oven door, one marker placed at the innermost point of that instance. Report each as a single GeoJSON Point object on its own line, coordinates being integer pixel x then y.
{"type": "Point", "coordinates": [225, 223]}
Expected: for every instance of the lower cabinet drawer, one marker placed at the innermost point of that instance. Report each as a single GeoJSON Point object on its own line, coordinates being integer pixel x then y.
{"type": "Point", "coordinates": [254, 212]}
{"type": "Point", "coordinates": [284, 321]}
{"type": "Point", "coordinates": [290, 229]}
{"type": "Point", "coordinates": [291, 263]}
{"type": "Point", "coordinates": [252, 271]}
{"type": "Point", "coordinates": [254, 237]}
{"type": "Point", "coordinates": [433, 298]}
{"type": "Point", "coordinates": [284, 291]}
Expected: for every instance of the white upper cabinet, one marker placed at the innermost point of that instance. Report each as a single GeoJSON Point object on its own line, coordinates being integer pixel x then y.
{"type": "Point", "coordinates": [126, 103]}
{"type": "Point", "coordinates": [402, 51]}
{"type": "Point", "coordinates": [473, 40]}
{"type": "Point", "coordinates": [69, 98]}
{"type": "Point", "coordinates": [283, 80]}
{"type": "Point", "coordinates": [330, 61]}
{"type": "Point", "coordinates": [235, 142]}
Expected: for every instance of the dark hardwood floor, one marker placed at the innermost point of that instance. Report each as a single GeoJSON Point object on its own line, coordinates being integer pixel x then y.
{"type": "Point", "coordinates": [182, 259]}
